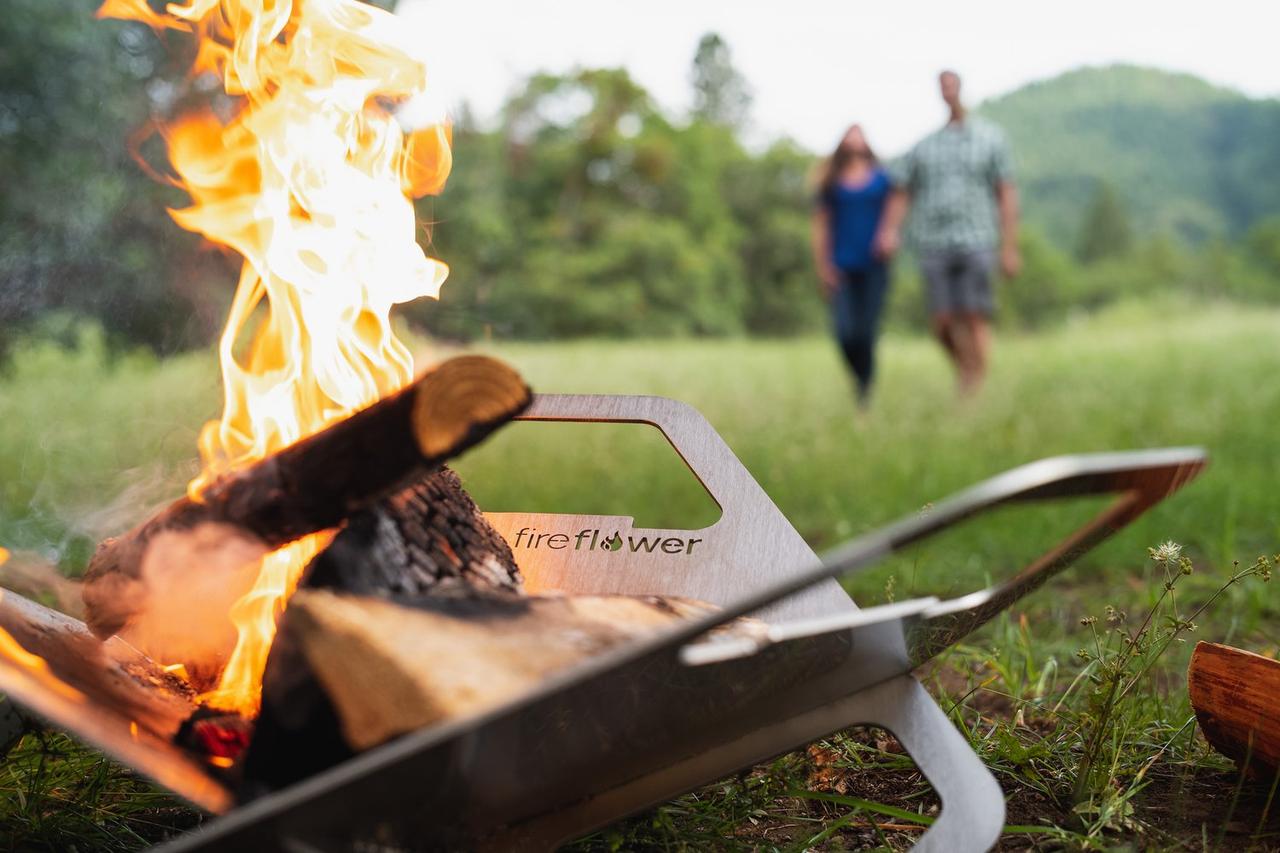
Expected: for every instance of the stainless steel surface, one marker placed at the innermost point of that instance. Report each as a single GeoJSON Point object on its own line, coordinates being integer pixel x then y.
{"type": "Point", "coordinates": [974, 804]}
{"type": "Point", "coordinates": [749, 547]}
{"type": "Point", "coordinates": [647, 722]}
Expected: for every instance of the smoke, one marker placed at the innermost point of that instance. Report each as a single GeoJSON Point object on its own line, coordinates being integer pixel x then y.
{"type": "Point", "coordinates": [190, 579]}
{"type": "Point", "coordinates": [141, 493]}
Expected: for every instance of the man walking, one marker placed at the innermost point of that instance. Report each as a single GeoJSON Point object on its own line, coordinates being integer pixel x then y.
{"type": "Point", "coordinates": [958, 185]}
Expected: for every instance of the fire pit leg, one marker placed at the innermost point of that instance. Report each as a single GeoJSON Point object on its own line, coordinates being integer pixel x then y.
{"type": "Point", "coordinates": [972, 802]}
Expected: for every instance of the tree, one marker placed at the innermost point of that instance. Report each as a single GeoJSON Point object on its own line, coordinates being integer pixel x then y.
{"type": "Point", "coordinates": [83, 231]}
{"type": "Point", "coordinates": [1105, 231]}
{"type": "Point", "coordinates": [720, 93]}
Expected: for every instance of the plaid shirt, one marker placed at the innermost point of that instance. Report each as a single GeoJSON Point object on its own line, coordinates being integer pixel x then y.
{"type": "Point", "coordinates": [952, 176]}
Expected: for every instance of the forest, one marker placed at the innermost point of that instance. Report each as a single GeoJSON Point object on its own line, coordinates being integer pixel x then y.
{"type": "Point", "coordinates": [586, 209]}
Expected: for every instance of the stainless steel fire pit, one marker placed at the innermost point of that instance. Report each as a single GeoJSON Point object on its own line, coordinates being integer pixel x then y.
{"type": "Point", "coordinates": [647, 722]}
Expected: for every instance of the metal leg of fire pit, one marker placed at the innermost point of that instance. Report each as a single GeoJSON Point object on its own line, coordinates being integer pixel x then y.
{"type": "Point", "coordinates": [972, 802]}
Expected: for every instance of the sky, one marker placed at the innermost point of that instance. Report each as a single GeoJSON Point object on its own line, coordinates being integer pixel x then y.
{"type": "Point", "coordinates": [816, 66]}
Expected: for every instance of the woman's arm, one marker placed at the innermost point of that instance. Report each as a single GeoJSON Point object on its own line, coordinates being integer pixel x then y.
{"type": "Point", "coordinates": [889, 236]}
{"type": "Point", "coordinates": [820, 238]}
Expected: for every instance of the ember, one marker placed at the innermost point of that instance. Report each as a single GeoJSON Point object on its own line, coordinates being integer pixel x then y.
{"type": "Point", "coordinates": [215, 734]}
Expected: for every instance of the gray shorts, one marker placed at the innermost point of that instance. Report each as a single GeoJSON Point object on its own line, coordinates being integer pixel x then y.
{"type": "Point", "coordinates": [959, 281]}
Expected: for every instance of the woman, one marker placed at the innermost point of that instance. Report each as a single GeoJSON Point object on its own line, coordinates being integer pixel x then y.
{"type": "Point", "coordinates": [852, 192]}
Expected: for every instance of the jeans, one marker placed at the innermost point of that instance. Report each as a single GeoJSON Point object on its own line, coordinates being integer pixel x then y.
{"type": "Point", "coordinates": [857, 305]}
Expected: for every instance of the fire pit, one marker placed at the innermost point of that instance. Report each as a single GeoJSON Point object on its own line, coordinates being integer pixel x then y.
{"type": "Point", "coordinates": [598, 738]}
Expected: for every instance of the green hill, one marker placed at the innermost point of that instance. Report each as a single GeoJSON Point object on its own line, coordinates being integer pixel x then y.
{"type": "Point", "coordinates": [1184, 156]}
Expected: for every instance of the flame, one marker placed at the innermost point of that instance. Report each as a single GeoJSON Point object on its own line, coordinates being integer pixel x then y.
{"type": "Point", "coordinates": [311, 182]}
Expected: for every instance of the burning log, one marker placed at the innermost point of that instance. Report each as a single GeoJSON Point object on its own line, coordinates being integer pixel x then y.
{"type": "Point", "coordinates": [310, 486]}
{"type": "Point", "coordinates": [428, 537]}
{"type": "Point", "coordinates": [1236, 697]}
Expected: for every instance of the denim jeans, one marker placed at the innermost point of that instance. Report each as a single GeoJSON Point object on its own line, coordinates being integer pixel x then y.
{"type": "Point", "coordinates": [857, 305]}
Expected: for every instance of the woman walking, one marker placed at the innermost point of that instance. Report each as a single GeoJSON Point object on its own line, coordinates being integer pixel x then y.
{"type": "Point", "coordinates": [852, 192]}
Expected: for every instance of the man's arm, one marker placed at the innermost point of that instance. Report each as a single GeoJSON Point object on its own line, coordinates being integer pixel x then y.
{"type": "Point", "coordinates": [820, 239]}
{"type": "Point", "coordinates": [1010, 257]}
{"type": "Point", "coordinates": [889, 234]}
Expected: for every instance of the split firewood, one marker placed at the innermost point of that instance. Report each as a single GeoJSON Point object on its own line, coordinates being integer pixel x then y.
{"type": "Point", "coordinates": [310, 486]}
{"type": "Point", "coordinates": [1236, 697]}
{"type": "Point", "coordinates": [106, 693]}
{"type": "Point", "coordinates": [373, 669]}
{"type": "Point", "coordinates": [391, 669]}
{"type": "Point", "coordinates": [71, 663]}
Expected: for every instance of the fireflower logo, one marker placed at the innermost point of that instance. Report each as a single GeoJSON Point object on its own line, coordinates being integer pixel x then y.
{"type": "Point", "coordinates": [595, 540]}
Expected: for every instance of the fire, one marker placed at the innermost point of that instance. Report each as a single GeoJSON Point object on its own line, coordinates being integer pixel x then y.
{"type": "Point", "coordinates": [311, 182]}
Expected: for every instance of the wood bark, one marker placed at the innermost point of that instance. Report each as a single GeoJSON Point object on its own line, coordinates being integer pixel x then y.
{"type": "Point", "coordinates": [310, 486]}
{"type": "Point", "coordinates": [428, 539]}
{"type": "Point", "coordinates": [1236, 697]}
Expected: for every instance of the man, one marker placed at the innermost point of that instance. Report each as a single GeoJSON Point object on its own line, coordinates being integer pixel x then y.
{"type": "Point", "coordinates": [958, 185]}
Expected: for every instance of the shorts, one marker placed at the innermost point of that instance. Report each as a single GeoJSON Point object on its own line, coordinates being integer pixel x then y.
{"type": "Point", "coordinates": [959, 281]}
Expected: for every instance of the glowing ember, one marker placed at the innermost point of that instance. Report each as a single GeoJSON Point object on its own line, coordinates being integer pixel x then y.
{"type": "Point", "coordinates": [177, 670]}
{"type": "Point", "coordinates": [311, 182]}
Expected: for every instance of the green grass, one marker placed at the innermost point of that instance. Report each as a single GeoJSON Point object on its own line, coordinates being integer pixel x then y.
{"type": "Point", "coordinates": [79, 433]}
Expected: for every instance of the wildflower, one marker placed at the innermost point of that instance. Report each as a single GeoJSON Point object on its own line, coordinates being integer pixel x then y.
{"type": "Point", "coordinates": [1167, 552]}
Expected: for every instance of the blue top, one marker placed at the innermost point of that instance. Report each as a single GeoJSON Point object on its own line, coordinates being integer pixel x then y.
{"type": "Point", "coordinates": [854, 218]}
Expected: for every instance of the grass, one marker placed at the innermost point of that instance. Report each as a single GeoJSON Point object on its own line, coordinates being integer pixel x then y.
{"type": "Point", "coordinates": [81, 432]}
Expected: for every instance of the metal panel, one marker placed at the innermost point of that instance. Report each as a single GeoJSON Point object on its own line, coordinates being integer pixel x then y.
{"type": "Point", "coordinates": [750, 546]}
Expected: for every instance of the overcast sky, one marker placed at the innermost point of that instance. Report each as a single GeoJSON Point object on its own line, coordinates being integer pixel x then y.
{"type": "Point", "coordinates": [817, 65]}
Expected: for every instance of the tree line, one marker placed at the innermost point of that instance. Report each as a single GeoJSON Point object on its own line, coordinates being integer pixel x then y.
{"type": "Point", "coordinates": [587, 209]}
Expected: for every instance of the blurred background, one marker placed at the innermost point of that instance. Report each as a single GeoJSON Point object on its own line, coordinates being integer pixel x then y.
{"type": "Point", "coordinates": [647, 173]}
{"type": "Point", "coordinates": [625, 172]}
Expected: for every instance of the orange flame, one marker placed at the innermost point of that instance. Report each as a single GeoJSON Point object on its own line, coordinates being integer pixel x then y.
{"type": "Point", "coordinates": [311, 183]}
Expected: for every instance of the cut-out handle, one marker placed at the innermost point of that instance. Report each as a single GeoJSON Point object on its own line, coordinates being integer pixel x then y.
{"type": "Point", "coordinates": [749, 548]}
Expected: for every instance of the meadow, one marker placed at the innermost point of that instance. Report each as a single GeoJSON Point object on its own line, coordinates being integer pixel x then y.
{"type": "Point", "coordinates": [90, 442]}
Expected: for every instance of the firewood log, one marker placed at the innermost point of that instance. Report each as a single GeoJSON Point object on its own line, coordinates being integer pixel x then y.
{"type": "Point", "coordinates": [310, 486]}
{"type": "Point", "coordinates": [426, 540]}
{"type": "Point", "coordinates": [349, 672]}
{"type": "Point", "coordinates": [1236, 697]}
{"type": "Point", "coordinates": [390, 668]}
{"type": "Point", "coordinates": [423, 539]}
